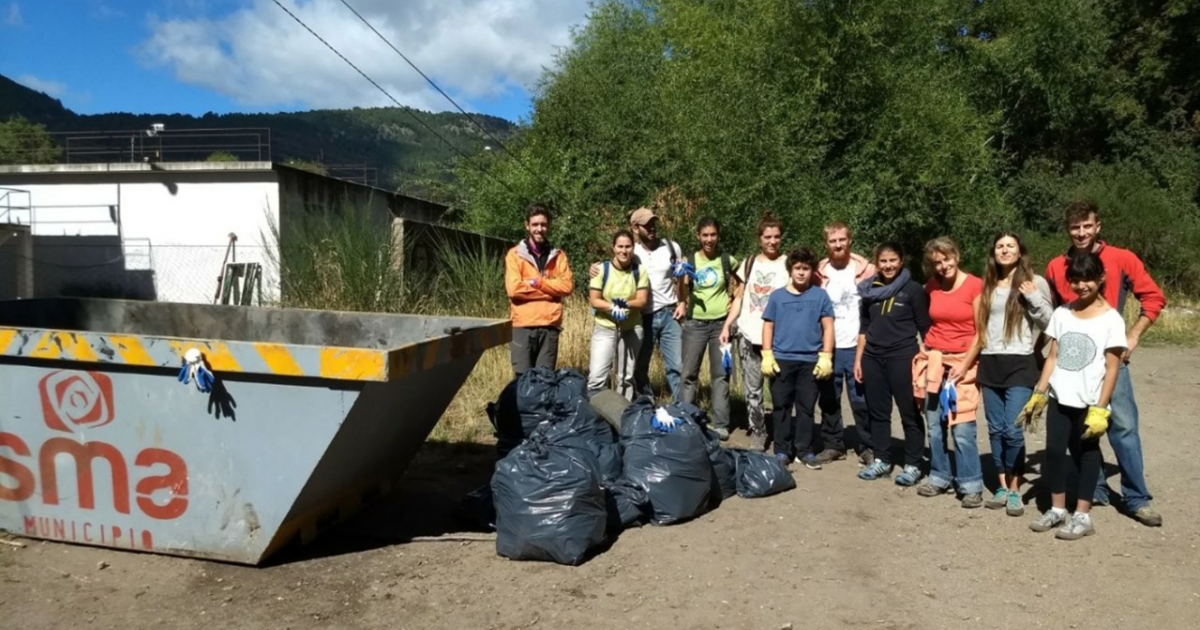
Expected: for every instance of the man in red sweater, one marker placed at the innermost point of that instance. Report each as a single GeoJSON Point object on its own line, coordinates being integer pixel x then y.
{"type": "Point", "coordinates": [1124, 273]}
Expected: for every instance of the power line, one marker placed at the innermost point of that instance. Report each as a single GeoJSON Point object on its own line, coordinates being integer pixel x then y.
{"type": "Point", "coordinates": [448, 98]}
{"type": "Point", "coordinates": [390, 97]}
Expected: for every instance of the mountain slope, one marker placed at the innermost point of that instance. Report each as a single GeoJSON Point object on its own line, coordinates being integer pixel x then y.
{"type": "Point", "coordinates": [391, 140]}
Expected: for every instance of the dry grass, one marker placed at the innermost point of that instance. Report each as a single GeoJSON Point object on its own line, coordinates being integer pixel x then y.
{"type": "Point", "coordinates": [1178, 325]}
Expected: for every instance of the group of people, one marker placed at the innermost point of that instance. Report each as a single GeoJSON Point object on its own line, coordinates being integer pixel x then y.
{"type": "Point", "coordinates": [1020, 343]}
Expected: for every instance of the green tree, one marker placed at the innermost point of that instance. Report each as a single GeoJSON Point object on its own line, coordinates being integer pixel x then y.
{"type": "Point", "coordinates": [221, 156]}
{"type": "Point", "coordinates": [23, 142]}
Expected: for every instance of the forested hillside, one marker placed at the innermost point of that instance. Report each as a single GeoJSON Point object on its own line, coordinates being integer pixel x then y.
{"type": "Point", "coordinates": [906, 119]}
{"type": "Point", "coordinates": [405, 153]}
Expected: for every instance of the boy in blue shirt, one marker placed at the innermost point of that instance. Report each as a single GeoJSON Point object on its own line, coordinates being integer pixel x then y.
{"type": "Point", "coordinates": [797, 352]}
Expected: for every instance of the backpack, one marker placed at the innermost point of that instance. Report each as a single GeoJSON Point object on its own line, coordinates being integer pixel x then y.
{"type": "Point", "coordinates": [726, 268]}
{"type": "Point", "coordinates": [637, 276]}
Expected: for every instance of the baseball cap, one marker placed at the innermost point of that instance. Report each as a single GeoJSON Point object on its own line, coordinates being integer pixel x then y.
{"type": "Point", "coordinates": [642, 216]}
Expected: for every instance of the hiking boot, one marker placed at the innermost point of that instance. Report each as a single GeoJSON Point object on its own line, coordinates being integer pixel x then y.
{"type": "Point", "coordinates": [973, 500]}
{"type": "Point", "coordinates": [1079, 526]}
{"type": "Point", "coordinates": [1048, 520]}
{"type": "Point", "coordinates": [810, 461]}
{"type": "Point", "coordinates": [758, 442]}
{"type": "Point", "coordinates": [866, 458]}
{"type": "Point", "coordinates": [722, 433]}
{"type": "Point", "coordinates": [909, 476]}
{"type": "Point", "coordinates": [927, 489]}
{"type": "Point", "coordinates": [1148, 517]}
{"type": "Point", "coordinates": [830, 455]}
{"type": "Point", "coordinates": [1015, 506]}
{"type": "Point", "coordinates": [998, 500]}
{"type": "Point", "coordinates": [877, 470]}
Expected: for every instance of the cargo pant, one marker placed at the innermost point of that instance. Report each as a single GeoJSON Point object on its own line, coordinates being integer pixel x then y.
{"type": "Point", "coordinates": [750, 360]}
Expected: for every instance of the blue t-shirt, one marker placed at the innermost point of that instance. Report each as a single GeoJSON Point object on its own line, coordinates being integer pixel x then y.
{"type": "Point", "coordinates": [797, 321]}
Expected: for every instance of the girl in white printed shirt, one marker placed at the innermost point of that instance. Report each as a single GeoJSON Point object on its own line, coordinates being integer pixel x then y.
{"type": "Point", "coordinates": [1087, 338]}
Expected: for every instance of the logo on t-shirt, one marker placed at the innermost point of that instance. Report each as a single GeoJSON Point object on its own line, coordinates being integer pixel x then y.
{"type": "Point", "coordinates": [1076, 351]}
{"type": "Point", "coordinates": [706, 278]}
{"type": "Point", "coordinates": [760, 290]}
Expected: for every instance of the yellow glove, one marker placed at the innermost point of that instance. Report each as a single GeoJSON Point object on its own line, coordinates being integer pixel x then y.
{"type": "Point", "coordinates": [1029, 415]}
{"type": "Point", "coordinates": [769, 366]}
{"type": "Point", "coordinates": [824, 368]}
{"type": "Point", "coordinates": [1096, 423]}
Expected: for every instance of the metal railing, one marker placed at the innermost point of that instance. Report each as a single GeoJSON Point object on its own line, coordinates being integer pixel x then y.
{"type": "Point", "coordinates": [159, 145]}
{"type": "Point", "coordinates": [10, 213]}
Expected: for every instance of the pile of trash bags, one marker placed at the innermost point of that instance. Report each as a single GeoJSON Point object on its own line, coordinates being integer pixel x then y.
{"type": "Point", "coordinates": [567, 483]}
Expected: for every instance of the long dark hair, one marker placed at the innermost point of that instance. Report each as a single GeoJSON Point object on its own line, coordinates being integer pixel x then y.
{"type": "Point", "coordinates": [1013, 310]}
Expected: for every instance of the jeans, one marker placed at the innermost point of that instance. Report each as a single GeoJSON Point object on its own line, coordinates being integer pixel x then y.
{"type": "Point", "coordinates": [750, 363]}
{"type": "Point", "coordinates": [610, 347]}
{"type": "Point", "coordinates": [832, 427]}
{"type": "Point", "coordinates": [1126, 445]}
{"type": "Point", "coordinates": [698, 336]}
{"type": "Point", "coordinates": [663, 329]}
{"type": "Point", "coordinates": [794, 394]}
{"type": "Point", "coordinates": [966, 452]}
{"type": "Point", "coordinates": [533, 347]}
{"type": "Point", "coordinates": [887, 379]}
{"type": "Point", "coordinates": [1064, 431]}
{"type": "Point", "coordinates": [1001, 405]}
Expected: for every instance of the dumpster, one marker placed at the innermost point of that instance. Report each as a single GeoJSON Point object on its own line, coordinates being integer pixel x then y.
{"type": "Point", "coordinates": [312, 415]}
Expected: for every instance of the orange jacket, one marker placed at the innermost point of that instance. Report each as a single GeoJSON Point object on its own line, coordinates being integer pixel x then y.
{"type": "Point", "coordinates": [542, 305]}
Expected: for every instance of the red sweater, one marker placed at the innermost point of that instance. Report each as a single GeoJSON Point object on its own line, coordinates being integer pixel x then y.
{"type": "Point", "coordinates": [1123, 273]}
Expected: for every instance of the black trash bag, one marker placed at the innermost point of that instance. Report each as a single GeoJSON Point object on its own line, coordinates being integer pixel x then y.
{"type": "Point", "coordinates": [537, 396]}
{"type": "Point", "coordinates": [549, 502]}
{"type": "Point", "coordinates": [584, 429]}
{"type": "Point", "coordinates": [479, 509]}
{"type": "Point", "coordinates": [673, 467]}
{"type": "Point", "coordinates": [627, 505]}
{"type": "Point", "coordinates": [761, 475]}
{"type": "Point", "coordinates": [724, 465]}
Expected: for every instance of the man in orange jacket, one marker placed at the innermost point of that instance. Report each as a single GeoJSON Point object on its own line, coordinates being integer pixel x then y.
{"type": "Point", "coordinates": [537, 277]}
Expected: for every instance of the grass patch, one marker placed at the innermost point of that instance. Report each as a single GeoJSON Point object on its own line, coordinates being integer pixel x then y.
{"type": "Point", "coordinates": [1177, 325]}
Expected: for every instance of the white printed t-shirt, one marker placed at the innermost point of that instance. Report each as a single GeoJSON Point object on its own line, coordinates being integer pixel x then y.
{"type": "Point", "coordinates": [844, 293]}
{"type": "Point", "coordinates": [1079, 372]}
{"type": "Point", "coordinates": [657, 267]}
{"type": "Point", "coordinates": [765, 277]}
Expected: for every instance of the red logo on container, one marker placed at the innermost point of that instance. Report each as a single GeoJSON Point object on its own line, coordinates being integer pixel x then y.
{"type": "Point", "coordinates": [81, 399]}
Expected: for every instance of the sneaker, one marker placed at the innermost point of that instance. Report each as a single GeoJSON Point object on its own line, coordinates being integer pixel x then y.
{"type": "Point", "coordinates": [1079, 526]}
{"type": "Point", "coordinates": [784, 459]}
{"type": "Point", "coordinates": [1148, 517]}
{"type": "Point", "coordinates": [866, 458]}
{"type": "Point", "coordinates": [877, 470]}
{"type": "Point", "coordinates": [1048, 520]}
{"type": "Point", "coordinates": [810, 461]}
{"type": "Point", "coordinates": [973, 500]}
{"type": "Point", "coordinates": [722, 433]}
{"type": "Point", "coordinates": [998, 500]}
{"type": "Point", "coordinates": [909, 476]}
{"type": "Point", "coordinates": [927, 489]}
{"type": "Point", "coordinates": [758, 442]}
{"type": "Point", "coordinates": [1015, 506]}
{"type": "Point", "coordinates": [830, 455]}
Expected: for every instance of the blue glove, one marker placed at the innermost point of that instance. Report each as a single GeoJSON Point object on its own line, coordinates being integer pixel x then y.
{"type": "Point", "coordinates": [683, 268]}
{"type": "Point", "coordinates": [663, 421]}
{"type": "Point", "coordinates": [948, 399]}
{"type": "Point", "coordinates": [727, 359]}
{"type": "Point", "coordinates": [620, 310]}
{"type": "Point", "coordinates": [194, 369]}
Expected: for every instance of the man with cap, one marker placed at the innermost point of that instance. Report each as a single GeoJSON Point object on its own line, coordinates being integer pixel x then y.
{"type": "Point", "coordinates": [667, 306]}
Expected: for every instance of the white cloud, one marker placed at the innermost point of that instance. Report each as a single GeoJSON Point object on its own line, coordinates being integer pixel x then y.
{"type": "Point", "coordinates": [13, 17]}
{"type": "Point", "coordinates": [259, 56]}
{"type": "Point", "coordinates": [51, 88]}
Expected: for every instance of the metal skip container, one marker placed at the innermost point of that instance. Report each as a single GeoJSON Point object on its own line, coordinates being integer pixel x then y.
{"type": "Point", "coordinates": [312, 414]}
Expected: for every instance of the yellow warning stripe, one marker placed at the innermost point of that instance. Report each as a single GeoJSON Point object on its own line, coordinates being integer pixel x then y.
{"type": "Point", "coordinates": [6, 337]}
{"type": "Point", "coordinates": [62, 345]}
{"type": "Point", "coordinates": [130, 350]}
{"type": "Point", "coordinates": [215, 352]}
{"type": "Point", "coordinates": [353, 364]}
{"type": "Point", "coordinates": [279, 359]}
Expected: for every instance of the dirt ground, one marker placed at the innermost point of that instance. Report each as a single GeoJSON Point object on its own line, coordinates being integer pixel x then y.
{"type": "Point", "coordinates": [836, 552]}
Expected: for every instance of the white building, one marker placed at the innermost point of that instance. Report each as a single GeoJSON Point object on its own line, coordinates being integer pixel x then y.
{"type": "Point", "coordinates": [162, 231]}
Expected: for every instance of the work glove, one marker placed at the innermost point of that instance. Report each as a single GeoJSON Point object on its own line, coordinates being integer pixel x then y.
{"type": "Point", "coordinates": [683, 268]}
{"type": "Point", "coordinates": [663, 421]}
{"type": "Point", "coordinates": [727, 359]}
{"type": "Point", "coordinates": [1028, 418]}
{"type": "Point", "coordinates": [620, 310]}
{"type": "Point", "coordinates": [194, 370]}
{"type": "Point", "coordinates": [948, 399]}
{"type": "Point", "coordinates": [769, 366]}
{"type": "Point", "coordinates": [1096, 423]}
{"type": "Point", "coordinates": [824, 367]}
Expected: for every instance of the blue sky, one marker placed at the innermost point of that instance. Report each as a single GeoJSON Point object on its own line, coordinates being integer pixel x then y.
{"type": "Point", "coordinates": [196, 56]}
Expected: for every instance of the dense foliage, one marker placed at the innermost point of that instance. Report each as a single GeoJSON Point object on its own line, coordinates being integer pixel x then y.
{"type": "Point", "coordinates": [905, 119]}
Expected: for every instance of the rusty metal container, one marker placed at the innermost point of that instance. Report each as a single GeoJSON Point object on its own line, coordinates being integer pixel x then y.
{"type": "Point", "coordinates": [313, 414]}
